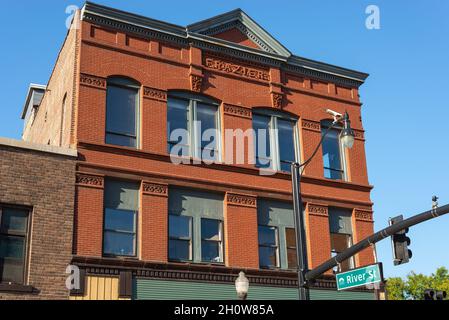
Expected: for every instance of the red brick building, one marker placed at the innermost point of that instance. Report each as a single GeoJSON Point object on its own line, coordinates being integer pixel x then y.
{"type": "Point", "coordinates": [146, 228]}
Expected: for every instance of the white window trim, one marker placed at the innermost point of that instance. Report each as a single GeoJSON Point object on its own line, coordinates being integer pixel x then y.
{"type": "Point", "coordinates": [195, 135]}
{"type": "Point", "coordinates": [220, 242]}
{"type": "Point", "coordinates": [343, 159]}
{"type": "Point", "coordinates": [274, 140]}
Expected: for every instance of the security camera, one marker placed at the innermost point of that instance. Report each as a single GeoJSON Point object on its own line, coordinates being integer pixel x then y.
{"type": "Point", "coordinates": [337, 116]}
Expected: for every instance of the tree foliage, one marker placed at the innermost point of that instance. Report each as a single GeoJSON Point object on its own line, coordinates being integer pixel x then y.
{"type": "Point", "coordinates": [414, 285]}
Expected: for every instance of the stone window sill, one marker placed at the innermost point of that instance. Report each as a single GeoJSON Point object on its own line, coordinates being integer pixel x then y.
{"type": "Point", "coordinates": [16, 288]}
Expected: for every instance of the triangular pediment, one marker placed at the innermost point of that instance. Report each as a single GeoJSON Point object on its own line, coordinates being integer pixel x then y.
{"type": "Point", "coordinates": [236, 26]}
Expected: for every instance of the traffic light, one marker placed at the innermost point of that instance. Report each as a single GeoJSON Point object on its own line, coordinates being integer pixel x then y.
{"type": "Point", "coordinates": [440, 295]}
{"type": "Point", "coordinates": [400, 243]}
{"type": "Point", "coordinates": [431, 294]}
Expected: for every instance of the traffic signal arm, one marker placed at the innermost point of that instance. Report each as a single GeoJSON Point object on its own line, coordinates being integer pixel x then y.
{"type": "Point", "coordinates": [400, 243]}
{"type": "Point", "coordinates": [378, 236]}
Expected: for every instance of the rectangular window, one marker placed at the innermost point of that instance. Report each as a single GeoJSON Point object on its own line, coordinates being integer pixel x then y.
{"type": "Point", "coordinates": [193, 127]}
{"type": "Point", "coordinates": [180, 238]}
{"type": "Point", "coordinates": [268, 247]}
{"type": "Point", "coordinates": [332, 160]}
{"type": "Point", "coordinates": [292, 260]}
{"type": "Point", "coordinates": [207, 126]}
{"type": "Point", "coordinates": [339, 243]}
{"type": "Point", "coordinates": [13, 244]}
{"type": "Point", "coordinates": [212, 240]}
{"type": "Point", "coordinates": [122, 113]}
{"type": "Point", "coordinates": [178, 125]}
{"type": "Point", "coordinates": [277, 238]}
{"type": "Point", "coordinates": [196, 226]}
{"type": "Point", "coordinates": [262, 127]}
{"type": "Point", "coordinates": [286, 137]}
{"type": "Point", "coordinates": [340, 222]}
{"type": "Point", "coordinates": [275, 142]}
{"type": "Point", "coordinates": [120, 220]}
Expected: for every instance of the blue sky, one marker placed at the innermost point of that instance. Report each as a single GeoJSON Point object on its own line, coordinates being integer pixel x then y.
{"type": "Point", "coordinates": [406, 98]}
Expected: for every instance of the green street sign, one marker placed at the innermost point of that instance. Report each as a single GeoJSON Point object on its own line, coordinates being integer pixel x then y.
{"type": "Point", "coordinates": [359, 277]}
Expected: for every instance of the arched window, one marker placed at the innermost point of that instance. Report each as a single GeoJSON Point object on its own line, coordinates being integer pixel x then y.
{"type": "Point", "coordinates": [277, 139]}
{"type": "Point", "coordinates": [193, 126]}
{"type": "Point", "coordinates": [333, 155]}
{"type": "Point", "coordinates": [122, 112]}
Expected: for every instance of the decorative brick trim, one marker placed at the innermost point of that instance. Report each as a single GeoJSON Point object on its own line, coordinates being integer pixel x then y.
{"type": "Point", "coordinates": [278, 99]}
{"type": "Point", "coordinates": [241, 200]}
{"type": "Point", "coordinates": [155, 94]}
{"type": "Point", "coordinates": [155, 189]}
{"type": "Point", "coordinates": [93, 81]}
{"type": "Point", "coordinates": [196, 82]}
{"type": "Point", "coordinates": [89, 180]}
{"type": "Point", "coordinates": [236, 68]}
{"type": "Point", "coordinates": [311, 125]}
{"type": "Point", "coordinates": [359, 134]}
{"type": "Point", "coordinates": [197, 273]}
{"type": "Point", "coordinates": [363, 215]}
{"type": "Point", "coordinates": [238, 111]}
{"type": "Point", "coordinates": [317, 210]}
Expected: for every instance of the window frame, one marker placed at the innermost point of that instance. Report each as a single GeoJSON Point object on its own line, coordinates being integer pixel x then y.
{"type": "Point", "coordinates": [220, 242]}
{"type": "Point", "coordinates": [27, 239]}
{"type": "Point", "coordinates": [191, 246]}
{"type": "Point", "coordinates": [350, 242]}
{"type": "Point", "coordinates": [129, 84]}
{"type": "Point", "coordinates": [136, 226]}
{"type": "Point", "coordinates": [135, 233]}
{"type": "Point", "coordinates": [291, 248]}
{"type": "Point", "coordinates": [276, 246]}
{"type": "Point", "coordinates": [325, 125]}
{"type": "Point", "coordinates": [195, 137]}
{"type": "Point", "coordinates": [276, 162]}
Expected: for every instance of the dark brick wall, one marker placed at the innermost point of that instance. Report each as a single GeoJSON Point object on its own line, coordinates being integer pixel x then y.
{"type": "Point", "coordinates": [45, 183]}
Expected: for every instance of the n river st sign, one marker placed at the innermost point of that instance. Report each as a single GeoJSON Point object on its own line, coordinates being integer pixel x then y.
{"type": "Point", "coordinates": [360, 277]}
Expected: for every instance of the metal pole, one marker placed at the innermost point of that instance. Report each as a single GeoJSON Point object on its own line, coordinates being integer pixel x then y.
{"type": "Point", "coordinates": [378, 236]}
{"type": "Point", "coordinates": [301, 247]}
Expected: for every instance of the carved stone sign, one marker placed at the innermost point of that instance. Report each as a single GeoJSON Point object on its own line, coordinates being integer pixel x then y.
{"type": "Point", "coordinates": [237, 69]}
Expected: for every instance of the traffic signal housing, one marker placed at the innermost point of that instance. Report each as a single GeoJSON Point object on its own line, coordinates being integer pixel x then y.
{"type": "Point", "coordinates": [400, 243]}
{"type": "Point", "coordinates": [431, 294]}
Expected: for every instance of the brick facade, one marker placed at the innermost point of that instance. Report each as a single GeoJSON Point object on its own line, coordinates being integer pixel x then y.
{"type": "Point", "coordinates": [241, 85]}
{"type": "Point", "coordinates": [37, 178]}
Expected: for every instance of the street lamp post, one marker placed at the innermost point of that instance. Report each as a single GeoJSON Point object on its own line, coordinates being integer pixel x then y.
{"type": "Point", "coordinates": [347, 140]}
{"type": "Point", "coordinates": [242, 286]}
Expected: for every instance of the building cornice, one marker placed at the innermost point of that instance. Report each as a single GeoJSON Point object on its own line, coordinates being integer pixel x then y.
{"type": "Point", "coordinates": [33, 87]}
{"type": "Point", "coordinates": [275, 54]}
